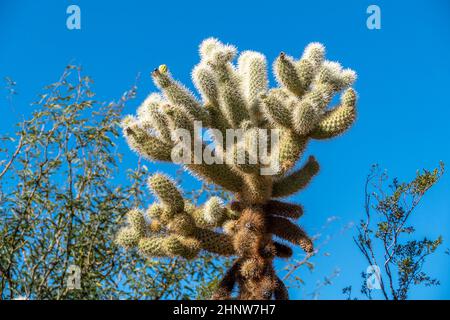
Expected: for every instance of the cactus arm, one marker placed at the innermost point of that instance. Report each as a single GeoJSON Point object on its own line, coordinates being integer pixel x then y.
{"type": "Point", "coordinates": [170, 246]}
{"type": "Point", "coordinates": [145, 144]}
{"type": "Point", "coordinates": [276, 111]}
{"type": "Point", "coordinates": [291, 149]}
{"type": "Point", "coordinates": [220, 174]}
{"type": "Point", "coordinates": [151, 117]}
{"type": "Point", "coordinates": [214, 242]}
{"type": "Point", "coordinates": [281, 292]}
{"type": "Point", "coordinates": [282, 250]}
{"type": "Point", "coordinates": [179, 95]}
{"type": "Point", "coordinates": [283, 209]}
{"type": "Point", "coordinates": [206, 83]}
{"type": "Point", "coordinates": [167, 192]}
{"type": "Point", "coordinates": [252, 67]}
{"type": "Point", "coordinates": [286, 230]}
{"type": "Point", "coordinates": [338, 120]}
{"type": "Point", "coordinates": [227, 283]}
{"type": "Point", "coordinates": [295, 181]}
{"type": "Point", "coordinates": [287, 75]}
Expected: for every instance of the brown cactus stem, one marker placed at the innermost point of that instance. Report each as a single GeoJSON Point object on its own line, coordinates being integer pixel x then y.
{"type": "Point", "coordinates": [253, 270]}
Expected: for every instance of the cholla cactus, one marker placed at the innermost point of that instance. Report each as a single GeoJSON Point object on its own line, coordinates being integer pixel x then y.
{"type": "Point", "coordinates": [237, 97]}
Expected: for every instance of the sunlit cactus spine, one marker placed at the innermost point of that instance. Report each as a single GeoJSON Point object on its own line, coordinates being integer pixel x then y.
{"type": "Point", "coordinates": [255, 227]}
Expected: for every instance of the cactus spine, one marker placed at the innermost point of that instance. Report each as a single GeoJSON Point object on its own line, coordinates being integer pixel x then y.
{"type": "Point", "coordinates": [237, 96]}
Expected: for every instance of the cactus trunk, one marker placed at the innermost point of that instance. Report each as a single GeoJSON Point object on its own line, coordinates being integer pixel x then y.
{"type": "Point", "coordinates": [253, 269]}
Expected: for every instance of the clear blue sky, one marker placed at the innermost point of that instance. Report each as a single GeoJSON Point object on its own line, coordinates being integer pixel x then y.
{"type": "Point", "coordinates": [403, 86]}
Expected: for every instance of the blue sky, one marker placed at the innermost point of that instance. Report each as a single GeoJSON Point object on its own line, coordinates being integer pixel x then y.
{"type": "Point", "coordinates": [403, 82]}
